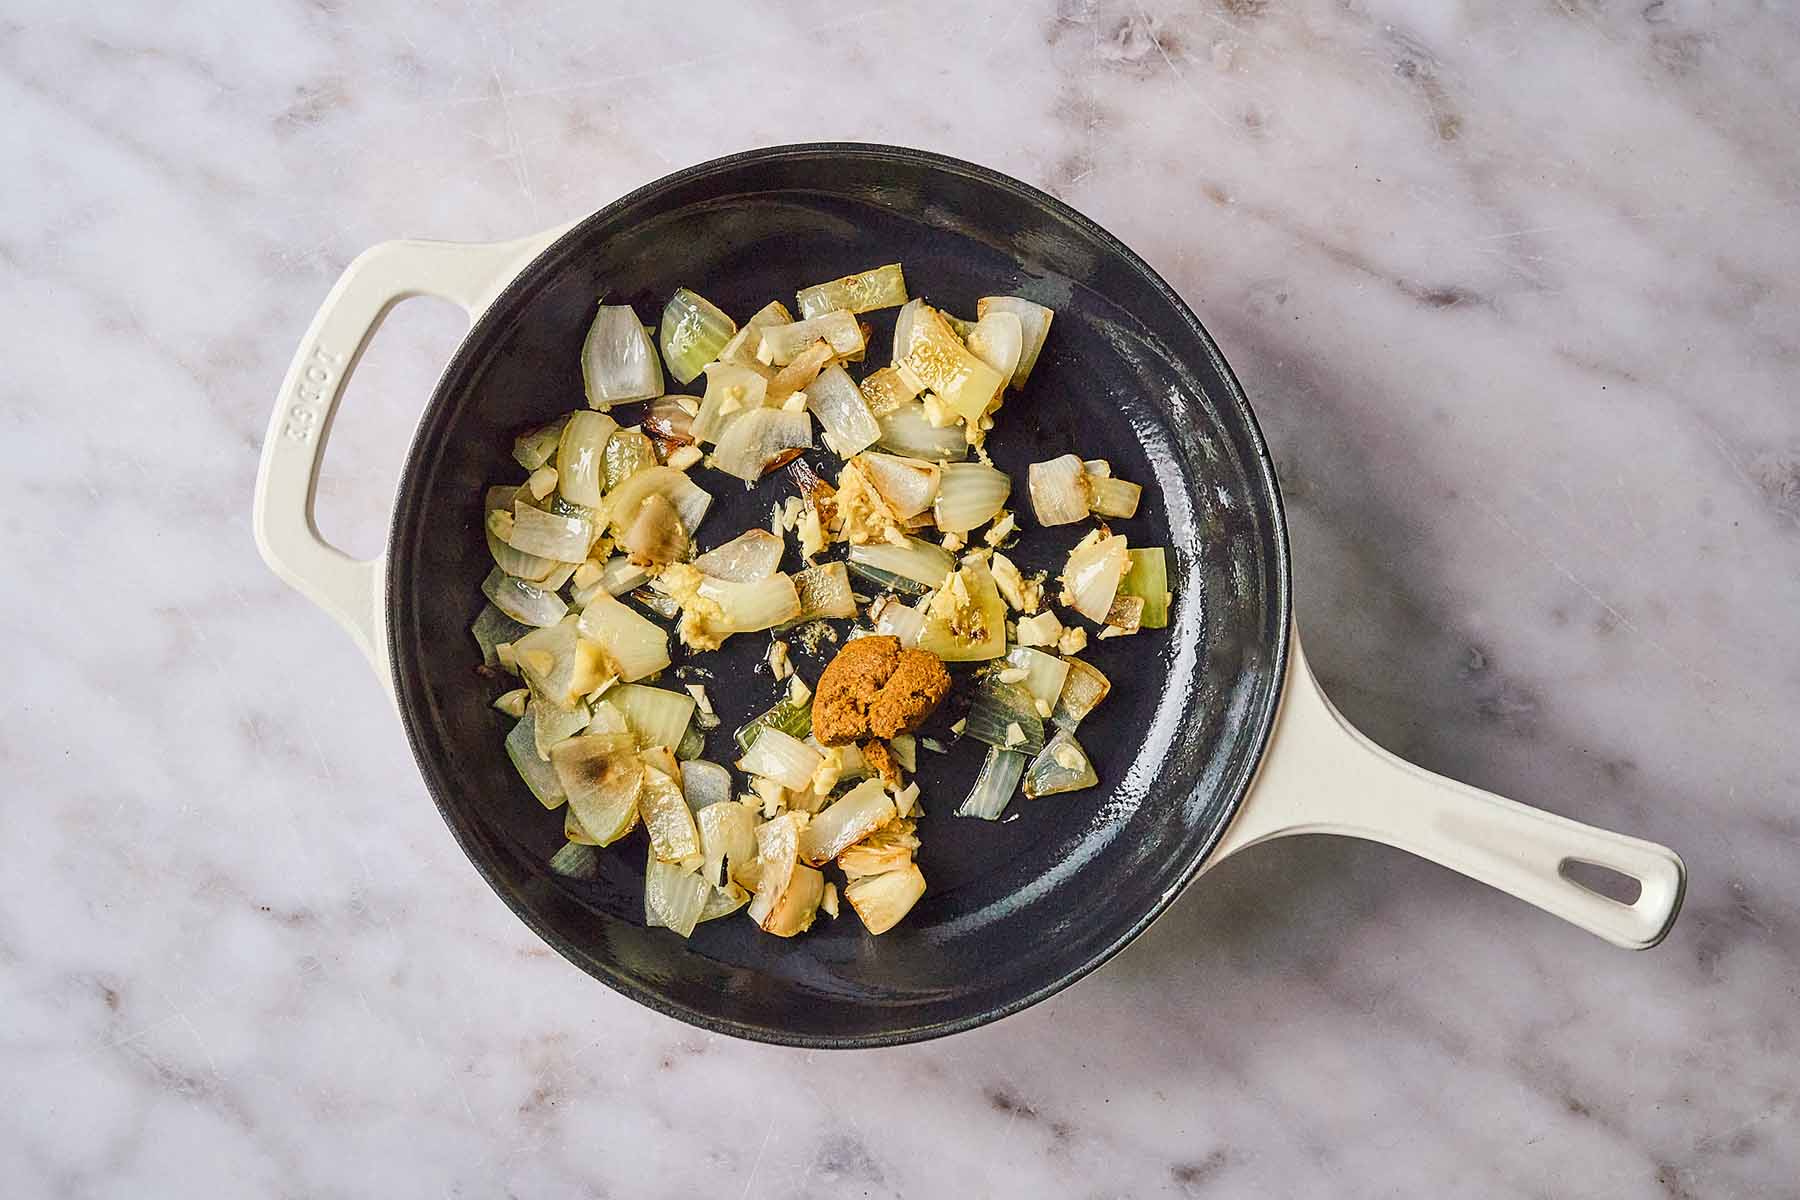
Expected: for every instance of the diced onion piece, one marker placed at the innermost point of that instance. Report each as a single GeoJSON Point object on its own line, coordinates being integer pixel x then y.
{"type": "Point", "coordinates": [1045, 674]}
{"type": "Point", "coordinates": [539, 775]}
{"type": "Point", "coordinates": [785, 759]}
{"type": "Point", "coordinates": [753, 605]}
{"type": "Point", "coordinates": [693, 331]}
{"type": "Point", "coordinates": [1093, 573]}
{"type": "Point", "coordinates": [723, 902]}
{"type": "Point", "coordinates": [994, 786]}
{"type": "Point", "coordinates": [730, 389]}
{"type": "Point", "coordinates": [966, 631]}
{"type": "Point", "coordinates": [576, 860]}
{"type": "Point", "coordinates": [902, 621]}
{"type": "Point", "coordinates": [824, 592]}
{"type": "Point", "coordinates": [618, 362]}
{"type": "Point", "coordinates": [998, 339]}
{"type": "Point", "coordinates": [887, 581]}
{"type": "Point", "coordinates": [537, 447]}
{"type": "Point", "coordinates": [491, 628]}
{"type": "Point", "coordinates": [866, 291]}
{"type": "Point", "coordinates": [1084, 689]}
{"type": "Point", "coordinates": [793, 719]}
{"type": "Point", "coordinates": [1113, 497]}
{"type": "Point", "coordinates": [607, 719]}
{"type": "Point", "coordinates": [656, 716]}
{"type": "Point", "coordinates": [939, 360]}
{"type": "Point", "coordinates": [574, 832]}
{"type": "Point", "coordinates": [1125, 616]}
{"type": "Point", "coordinates": [969, 496]}
{"type": "Point", "coordinates": [1061, 766]}
{"type": "Point", "coordinates": [758, 440]}
{"type": "Point", "coordinates": [1042, 629]}
{"type": "Point", "coordinates": [960, 327]}
{"type": "Point", "coordinates": [621, 575]}
{"type": "Point", "coordinates": [907, 430]}
{"type": "Point", "coordinates": [918, 561]}
{"type": "Point", "coordinates": [1002, 715]}
{"type": "Point", "coordinates": [547, 535]}
{"type": "Point", "coordinates": [689, 498]}
{"type": "Point", "coordinates": [1059, 490]}
{"type": "Point", "coordinates": [839, 329]}
{"type": "Point", "coordinates": [888, 849]}
{"type": "Point", "coordinates": [669, 421]}
{"type": "Point", "coordinates": [521, 601]}
{"type": "Point", "coordinates": [777, 854]}
{"type": "Point", "coordinates": [628, 451]}
{"type": "Point", "coordinates": [603, 778]}
{"type": "Point", "coordinates": [907, 485]}
{"type": "Point", "coordinates": [656, 535]}
{"type": "Point", "coordinates": [752, 555]}
{"type": "Point", "coordinates": [800, 373]}
{"type": "Point", "coordinates": [693, 743]}
{"type": "Point", "coordinates": [843, 414]}
{"type": "Point", "coordinates": [556, 666]}
{"type": "Point", "coordinates": [581, 457]}
{"type": "Point", "coordinates": [903, 330]}
{"type": "Point", "coordinates": [634, 646]}
{"type": "Point", "coordinates": [852, 817]}
{"type": "Point", "coordinates": [497, 517]}
{"type": "Point", "coordinates": [882, 900]}
{"type": "Point", "coordinates": [744, 344]}
{"type": "Point", "coordinates": [1035, 320]}
{"type": "Point", "coordinates": [704, 784]}
{"type": "Point", "coordinates": [906, 751]}
{"type": "Point", "coordinates": [667, 818]}
{"type": "Point", "coordinates": [1149, 578]}
{"type": "Point", "coordinates": [799, 904]}
{"type": "Point", "coordinates": [541, 483]}
{"type": "Point", "coordinates": [674, 898]}
{"type": "Point", "coordinates": [727, 840]}
{"type": "Point", "coordinates": [886, 390]}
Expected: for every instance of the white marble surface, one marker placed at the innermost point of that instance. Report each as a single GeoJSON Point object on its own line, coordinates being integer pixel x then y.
{"type": "Point", "coordinates": [1513, 287]}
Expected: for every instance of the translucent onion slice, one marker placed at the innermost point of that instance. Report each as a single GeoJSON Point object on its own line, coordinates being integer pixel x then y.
{"type": "Point", "coordinates": [618, 363]}
{"type": "Point", "coordinates": [704, 783]}
{"type": "Point", "coordinates": [851, 818]}
{"type": "Point", "coordinates": [751, 555]}
{"type": "Point", "coordinates": [785, 759]}
{"type": "Point", "coordinates": [669, 421]}
{"type": "Point", "coordinates": [1126, 614]}
{"type": "Point", "coordinates": [800, 373]}
{"type": "Point", "coordinates": [907, 430]}
{"type": "Point", "coordinates": [621, 575]}
{"type": "Point", "coordinates": [971, 630]}
{"type": "Point", "coordinates": [886, 390]}
{"type": "Point", "coordinates": [1045, 674]}
{"type": "Point", "coordinates": [902, 621]}
{"type": "Point", "coordinates": [791, 718]}
{"type": "Point", "coordinates": [535, 448]}
{"type": "Point", "coordinates": [939, 360]}
{"type": "Point", "coordinates": [547, 535]}
{"type": "Point", "coordinates": [1091, 577]}
{"type": "Point", "coordinates": [723, 902]}
{"type": "Point", "coordinates": [908, 485]}
{"type": "Point", "coordinates": [1059, 490]}
{"type": "Point", "coordinates": [628, 451]}
{"type": "Point", "coordinates": [635, 648]}
{"type": "Point", "coordinates": [753, 605]}
{"type": "Point", "coordinates": [551, 725]}
{"type": "Point", "coordinates": [824, 592]}
{"type": "Point", "coordinates": [998, 339]}
{"type": "Point", "coordinates": [667, 818]}
{"type": "Point", "coordinates": [887, 581]}
{"type": "Point", "coordinates": [581, 457]}
{"type": "Point", "coordinates": [656, 716]}
{"type": "Point", "coordinates": [693, 744]}
{"type": "Point", "coordinates": [1003, 715]}
{"type": "Point", "coordinates": [889, 849]}
{"type": "Point", "coordinates": [694, 330]}
{"type": "Point", "coordinates": [843, 414]}
{"type": "Point", "coordinates": [994, 786]}
{"type": "Point", "coordinates": [689, 498]}
{"type": "Point", "coordinates": [777, 854]}
{"type": "Point", "coordinates": [1061, 766]}
{"type": "Point", "coordinates": [1111, 497]}
{"type": "Point", "coordinates": [760, 439]}
{"type": "Point", "coordinates": [1149, 578]}
{"type": "Point", "coordinates": [799, 903]}
{"type": "Point", "coordinates": [603, 777]}
{"type": "Point", "coordinates": [576, 860]}
{"type": "Point", "coordinates": [1082, 691]}
{"type": "Point", "coordinates": [491, 628]}
{"type": "Point", "coordinates": [521, 601]}
{"type": "Point", "coordinates": [517, 563]}
{"type": "Point", "coordinates": [539, 775]}
{"type": "Point", "coordinates": [866, 291]}
{"type": "Point", "coordinates": [882, 900]}
{"type": "Point", "coordinates": [656, 535]}
{"type": "Point", "coordinates": [730, 389]}
{"type": "Point", "coordinates": [781, 344]}
{"type": "Point", "coordinates": [1035, 321]}
{"type": "Point", "coordinates": [674, 898]}
{"type": "Point", "coordinates": [903, 331]}
{"type": "Point", "coordinates": [969, 496]}
{"type": "Point", "coordinates": [743, 346]}
{"type": "Point", "coordinates": [727, 840]}
{"type": "Point", "coordinates": [918, 561]}
{"type": "Point", "coordinates": [607, 719]}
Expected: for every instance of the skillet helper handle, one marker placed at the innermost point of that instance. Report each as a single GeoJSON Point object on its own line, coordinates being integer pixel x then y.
{"type": "Point", "coordinates": [287, 535]}
{"type": "Point", "coordinates": [1321, 775]}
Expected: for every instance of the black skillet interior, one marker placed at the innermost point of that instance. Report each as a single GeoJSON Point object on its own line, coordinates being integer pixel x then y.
{"type": "Point", "coordinates": [1015, 909]}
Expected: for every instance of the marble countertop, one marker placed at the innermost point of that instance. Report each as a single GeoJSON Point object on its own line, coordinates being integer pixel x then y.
{"type": "Point", "coordinates": [1513, 289]}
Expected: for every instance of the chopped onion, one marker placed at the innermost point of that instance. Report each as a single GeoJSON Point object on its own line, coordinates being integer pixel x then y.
{"type": "Point", "coordinates": [535, 448]}
{"type": "Point", "coordinates": [998, 339]}
{"type": "Point", "coordinates": [727, 841]}
{"type": "Point", "coordinates": [656, 716]}
{"type": "Point", "coordinates": [939, 360]}
{"type": "Point", "coordinates": [656, 535]}
{"type": "Point", "coordinates": [1082, 691]}
{"type": "Point", "coordinates": [753, 605]}
{"type": "Point", "coordinates": [887, 581]}
{"type": "Point", "coordinates": [723, 902]}
{"type": "Point", "coordinates": [539, 775]}
{"type": "Point", "coordinates": [799, 903]}
{"type": "Point", "coordinates": [1092, 575]}
{"type": "Point", "coordinates": [844, 415]}
{"type": "Point", "coordinates": [783, 343]}
{"type": "Point", "coordinates": [907, 485]}
{"type": "Point", "coordinates": [800, 373]}
{"type": "Point", "coordinates": [667, 818]}
{"type": "Point", "coordinates": [785, 759]}
{"type": "Point", "coordinates": [521, 601]}
{"type": "Point", "coordinates": [491, 628]}
{"type": "Point", "coordinates": [1061, 766]}
{"type": "Point", "coordinates": [993, 789]}
{"type": "Point", "coordinates": [1113, 497]}
{"type": "Point", "coordinates": [618, 363]}
{"type": "Point", "coordinates": [1002, 714]}
{"type": "Point", "coordinates": [674, 898]}
{"type": "Point", "coordinates": [551, 725]}
{"type": "Point", "coordinates": [704, 783]}
{"type": "Point", "coordinates": [852, 817]}
{"type": "Point", "coordinates": [886, 390]}
{"type": "Point", "coordinates": [1035, 320]}
{"type": "Point", "coordinates": [902, 621]}
{"type": "Point", "coordinates": [693, 333]}
{"type": "Point", "coordinates": [574, 832]}
{"type": "Point", "coordinates": [758, 440]}
{"type": "Point", "coordinates": [635, 648]}
{"type": "Point", "coordinates": [1059, 490]}
{"type": "Point", "coordinates": [777, 855]}
{"type": "Point", "coordinates": [888, 849]}
{"type": "Point", "coordinates": [497, 519]}
{"type": "Point", "coordinates": [581, 457]}
{"type": "Point", "coordinates": [558, 666]}
{"type": "Point", "coordinates": [918, 561]}
{"type": "Point", "coordinates": [749, 556]}
{"type": "Point", "coordinates": [792, 718]}
{"type": "Point", "coordinates": [1149, 578]}
{"type": "Point", "coordinates": [603, 777]}
{"type": "Point", "coordinates": [958, 325]}
{"type": "Point", "coordinates": [669, 421]}
{"type": "Point", "coordinates": [866, 291]}
{"type": "Point", "coordinates": [882, 900]}
{"type": "Point", "coordinates": [824, 592]}
{"type": "Point", "coordinates": [958, 630]}
{"type": "Point", "coordinates": [1125, 616]}
{"type": "Point", "coordinates": [693, 743]}
{"type": "Point", "coordinates": [730, 389]}
{"type": "Point", "coordinates": [628, 451]}
{"type": "Point", "coordinates": [1045, 674]}
{"type": "Point", "coordinates": [903, 332]}
{"type": "Point", "coordinates": [576, 860]}
{"type": "Point", "coordinates": [689, 498]}
{"type": "Point", "coordinates": [547, 535]}
{"type": "Point", "coordinates": [907, 430]}
{"type": "Point", "coordinates": [969, 496]}
{"type": "Point", "coordinates": [607, 719]}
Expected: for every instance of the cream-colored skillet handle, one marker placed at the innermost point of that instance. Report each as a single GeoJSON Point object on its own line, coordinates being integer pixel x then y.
{"type": "Point", "coordinates": [350, 589]}
{"type": "Point", "coordinates": [1320, 775]}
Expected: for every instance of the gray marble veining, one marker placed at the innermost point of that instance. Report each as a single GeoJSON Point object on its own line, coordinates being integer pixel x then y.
{"type": "Point", "coordinates": [1513, 288]}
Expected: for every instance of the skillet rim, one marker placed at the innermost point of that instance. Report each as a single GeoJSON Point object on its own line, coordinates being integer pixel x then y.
{"type": "Point", "coordinates": [1275, 670]}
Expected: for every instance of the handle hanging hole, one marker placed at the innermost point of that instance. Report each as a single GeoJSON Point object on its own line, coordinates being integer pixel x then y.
{"type": "Point", "coordinates": [1601, 880]}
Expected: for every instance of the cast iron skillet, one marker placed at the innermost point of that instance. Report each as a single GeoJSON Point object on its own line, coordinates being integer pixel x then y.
{"type": "Point", "coordinates": [1014, 910]}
